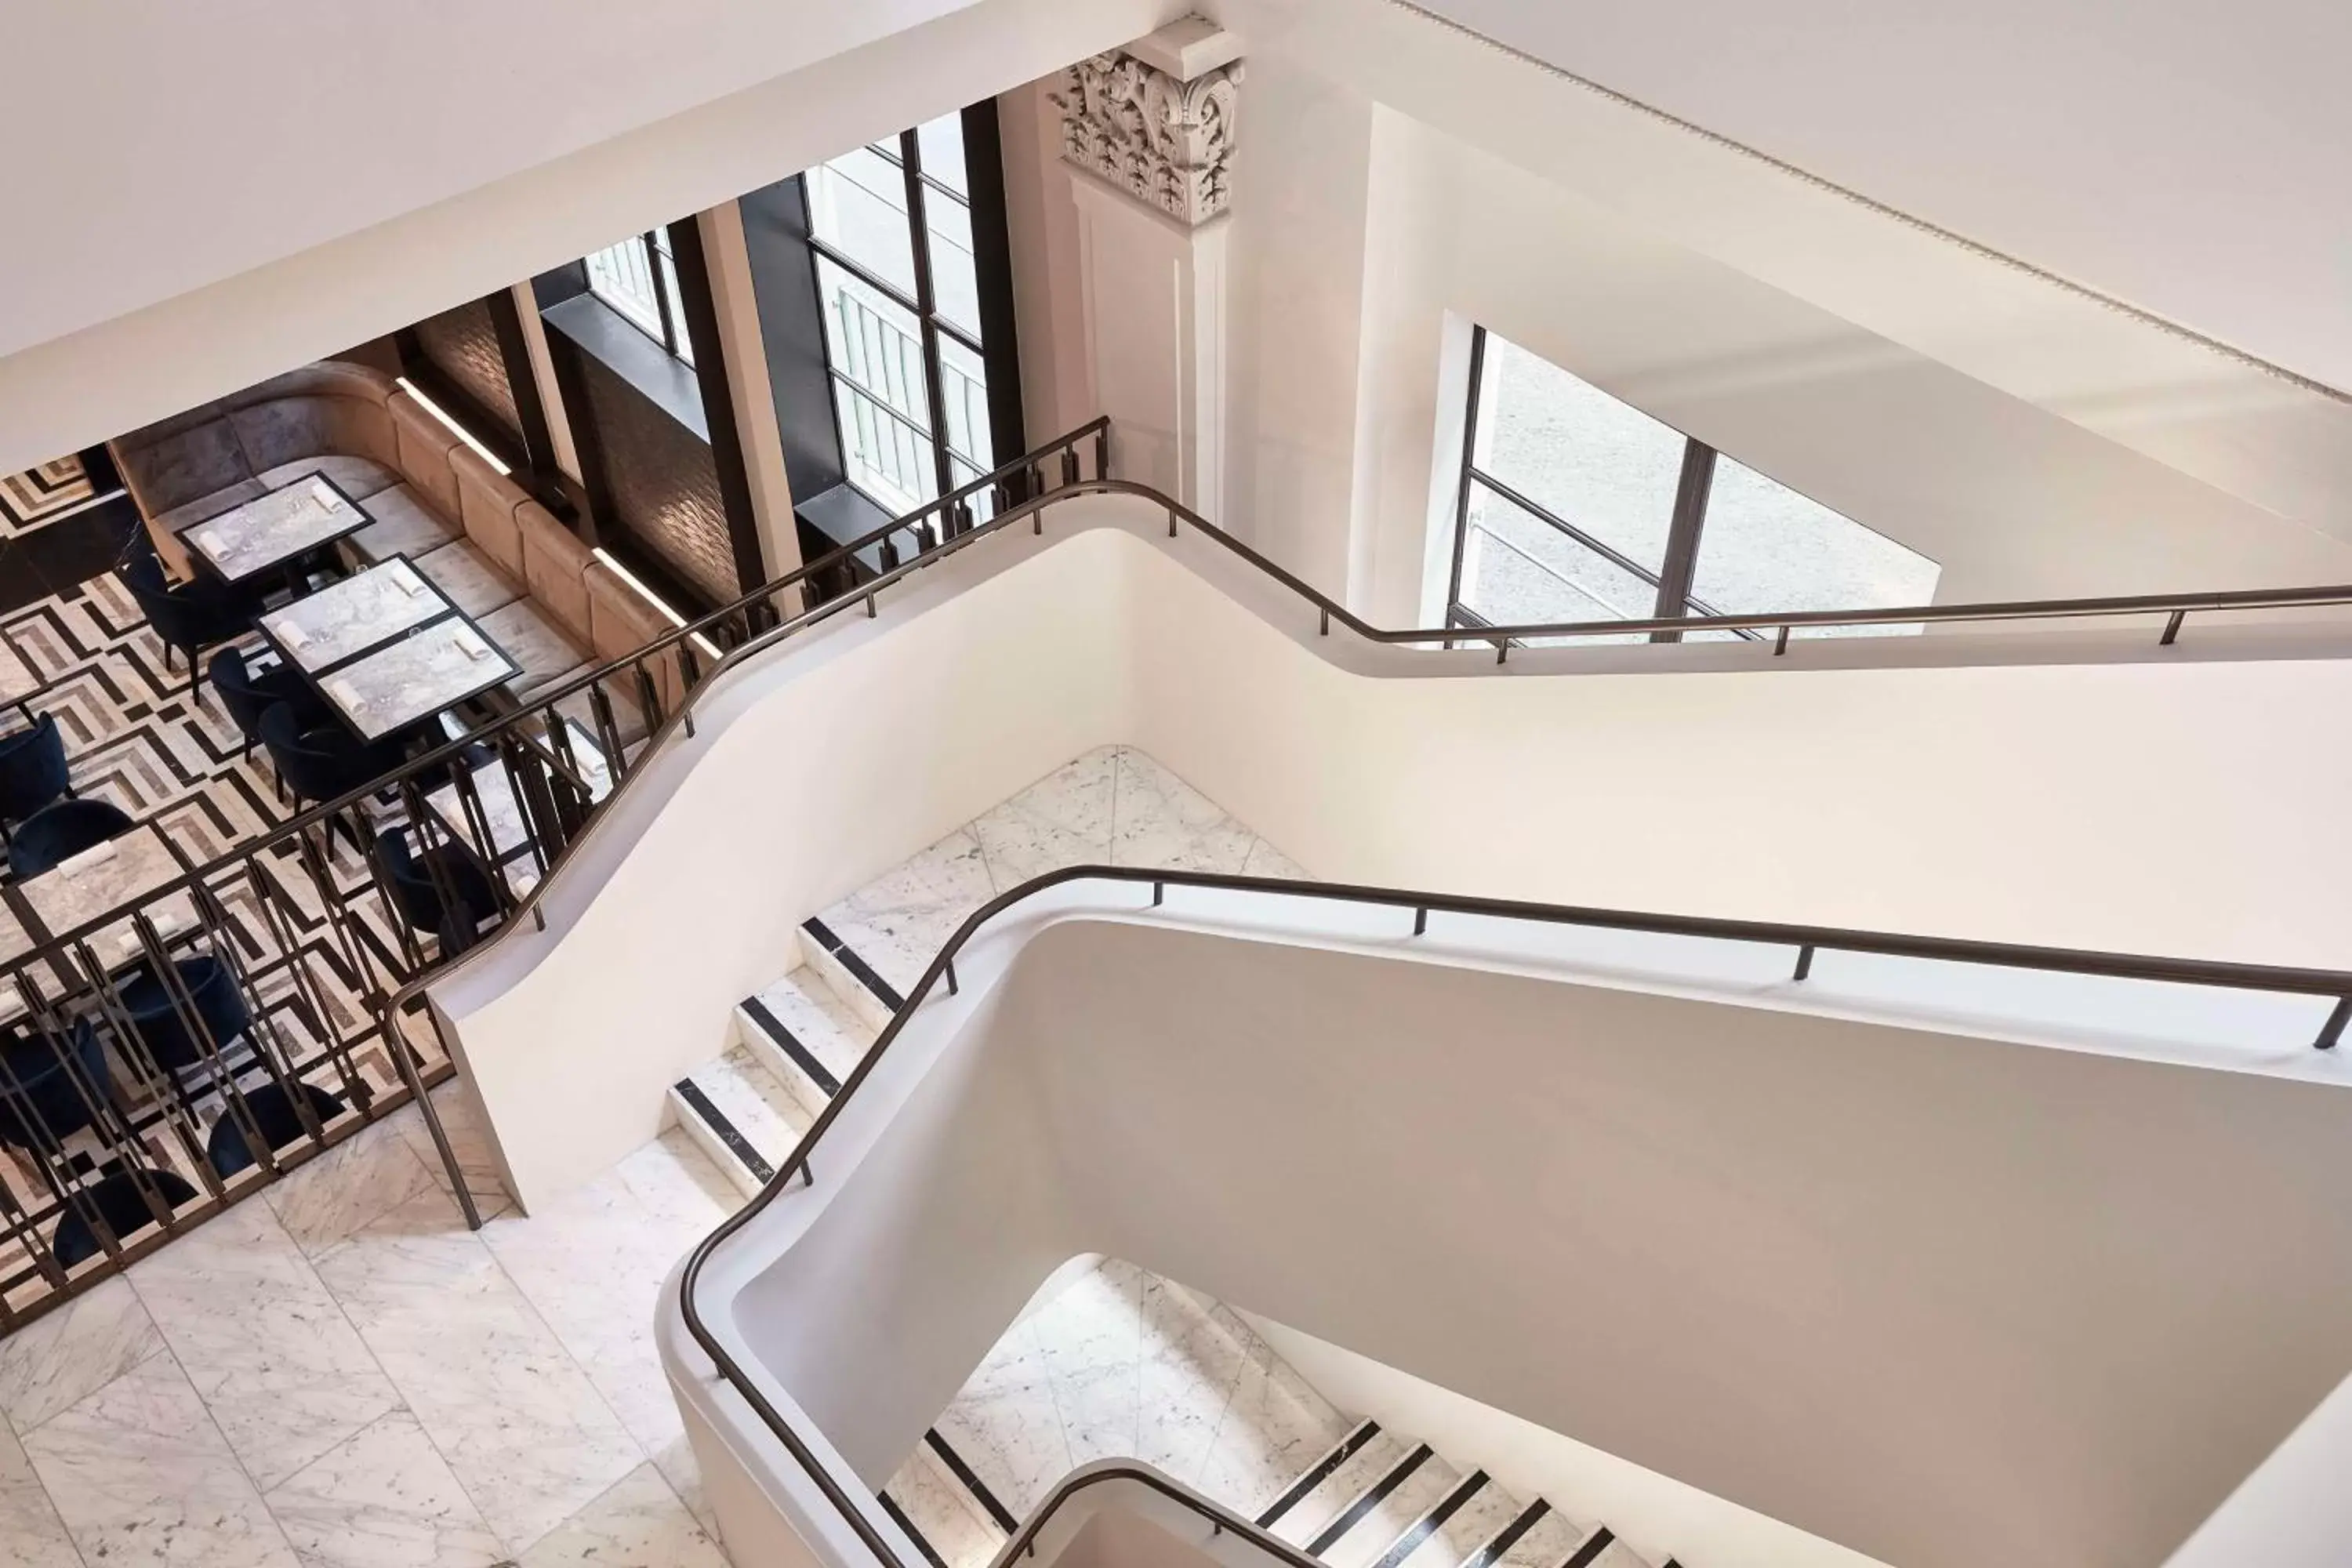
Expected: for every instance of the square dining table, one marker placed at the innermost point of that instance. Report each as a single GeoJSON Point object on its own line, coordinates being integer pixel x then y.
{"type": "Point", "coordinates": [502, 815]}
{"type": "Point", "coordinates": [354, 616]}
{"type": "Point", "coordinates": [436, 667]}
{"type": "Point", "coordinates": [272, 530]}
{"type": "Point", "coordinates": [128, 868]}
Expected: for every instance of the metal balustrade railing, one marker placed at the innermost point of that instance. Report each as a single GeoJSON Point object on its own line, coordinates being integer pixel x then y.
{"type": "Point", "coordinates": [328, 945]}
{"type": "Point", "coordinates": [1803, 943]}
{"type": "Point", "coordinates": [227, 1021]}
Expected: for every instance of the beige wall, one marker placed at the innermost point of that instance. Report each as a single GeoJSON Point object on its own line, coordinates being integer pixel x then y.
{"type": "Point", "coordinates": [2152, 806]}
{"type": "Point", "coordinates": [232, 328]}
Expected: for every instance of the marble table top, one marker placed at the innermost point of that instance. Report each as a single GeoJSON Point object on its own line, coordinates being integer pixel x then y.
{"type": "Point", "coordinates": [274, 528]}
{"type": "Point", "coordinates": [494, 789]}
{"type": "Point", "coordinates": [347, 619]}
{"type": "Point", "coordinates": [418, 677]}
{"type": "Point", "coordinates": [100, 879]}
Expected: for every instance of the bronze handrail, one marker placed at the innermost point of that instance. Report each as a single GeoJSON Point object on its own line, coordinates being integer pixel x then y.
{"type": "Point", "coordinates": [1806, 940]}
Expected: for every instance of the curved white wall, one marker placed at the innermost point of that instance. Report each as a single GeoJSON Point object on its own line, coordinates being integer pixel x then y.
{"type": "Point", "coordinates": [1942, 1299]}
{"type": "Point", "coordinates": [2157, 805]}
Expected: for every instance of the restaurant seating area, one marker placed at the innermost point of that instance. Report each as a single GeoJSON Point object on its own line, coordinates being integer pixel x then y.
{"type": "Point", "coordinates": [330, 583]}
{"type": "Point", "coordinates": [471, 530]}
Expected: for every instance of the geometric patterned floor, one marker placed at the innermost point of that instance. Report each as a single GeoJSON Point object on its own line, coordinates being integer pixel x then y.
{"type": "Point", "coordinates": [43, 494]}
{"type": "Point", "coordinates": [136, 736]}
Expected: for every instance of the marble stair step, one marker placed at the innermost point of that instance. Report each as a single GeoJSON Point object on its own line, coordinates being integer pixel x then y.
{"type": "Point", "coordinates": [741, 1115]}
{"type": "Point", "coordinates": [1546, 1540]}
{"type": "Point", "coordinates": [1370, 1459]}
{"type": "Point", "coordinates": [1369, 1526]}
{"type": "Point", "coordinates": [947, 1522]}
{"type": "Point", "coordinates": [802, 1031]}
{"type": "Point", "coordinates": [1452, 1532]}
{"type": "Point", "coordinates": [856, 982]}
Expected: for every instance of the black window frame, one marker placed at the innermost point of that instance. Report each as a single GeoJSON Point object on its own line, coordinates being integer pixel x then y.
{"type": "Point", "coordinates": [661, 266]}
{"type": "Point", "coordinates": [931, 326]}
{"type": "Point", "coordinates": [1672, 578]}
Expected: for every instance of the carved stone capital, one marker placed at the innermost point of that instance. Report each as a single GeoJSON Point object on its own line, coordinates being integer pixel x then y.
{"type": "Point", "coordinates": [1167, 143]}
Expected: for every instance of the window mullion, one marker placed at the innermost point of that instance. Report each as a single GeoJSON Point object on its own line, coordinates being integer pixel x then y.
{"type": "Point", "coordinates": [1469, 448]}
{"type": "Point", "coordinates": [910, 155]}
{"type": "Point", "coordinates": [663, 304]}
{"type": "Point", "coordinates": [1682, 535]}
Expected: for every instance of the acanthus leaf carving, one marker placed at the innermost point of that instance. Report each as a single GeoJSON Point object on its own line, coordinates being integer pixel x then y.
{"type": "Point", "coordinates": [1166, 142]}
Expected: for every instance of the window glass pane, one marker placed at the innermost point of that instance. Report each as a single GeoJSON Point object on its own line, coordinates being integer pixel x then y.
{"type": "Point", "coordinates": [955, 287]}
{"type": "Point", "coordinates": [887, 459]}
{"type": "Point", "coordinates": [982, 503]}
{"type": "Point", "coordinates": [1518, 570]}
{"type": "Point", "coordinates": [1600, 463]}
{"type": "Point", "coordinates": [622, 276]}
{"type": "Point", "coordinates": [940, 143]}
{"type": "Point", "coordinates": [1764, 548]}
{"type": "Point", "coordinates": [876, 355]}
{"type": "Point", "coordinates": [963, 388]}
{"type": "Point", "coordinates": [857, 205]}
{"type": "Point", "coordinates": [874, 343]}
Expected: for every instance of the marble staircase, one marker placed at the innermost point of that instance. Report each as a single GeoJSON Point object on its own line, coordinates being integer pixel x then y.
{"type": "Point", "coordinates": [1121, 1363]}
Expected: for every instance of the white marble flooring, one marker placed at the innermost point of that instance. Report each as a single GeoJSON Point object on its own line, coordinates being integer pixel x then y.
{"type": "Point", "coordinates": [339, 1375]}
{"type": "Point", "coordinates": [1123, 1363]}
{"type": "Point", "coordinates": [1114, 806]}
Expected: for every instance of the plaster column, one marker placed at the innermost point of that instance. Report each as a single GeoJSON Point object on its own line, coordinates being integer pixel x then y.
{"type": "Point", "coordinates": [1148, 133]}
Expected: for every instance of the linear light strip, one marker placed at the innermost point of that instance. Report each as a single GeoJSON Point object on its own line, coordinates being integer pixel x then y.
{"type": "Point", "coordinates": [455, 429]}
{"type": "Point", "coordinates": [656, 600]}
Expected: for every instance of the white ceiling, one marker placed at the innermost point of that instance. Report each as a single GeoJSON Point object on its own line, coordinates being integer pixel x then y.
{"type": "Point", "coordinates": [152, 147]}
{"type": "Point", "coordinates": [2188, 156]}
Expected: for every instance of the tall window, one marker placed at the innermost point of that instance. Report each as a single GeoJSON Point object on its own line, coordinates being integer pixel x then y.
{"type": "Point", "coordinates": [638, 277]}
{"type": "Point", "coordinates": [891, 226]}
{"type": "Point", "coordinates": [1576, 507]}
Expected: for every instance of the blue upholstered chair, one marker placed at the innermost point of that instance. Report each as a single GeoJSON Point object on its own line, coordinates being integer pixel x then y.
{"type": "Point", "coordinates": [247, 696]}
{"type": "Point", "coordinates": [415, 882]}
{"type": "Point", "coordinates": [275, 1117]}
{"type": "Point", "coordinates": [190, 618]}
{"type": "Point", "coordinates": [32, 770]}
{"type": "Point", "coordinates": [212, 996]}
{"type": "Point", "coordinates": [121, 1201]}
{"type": "Point", "coordinates": [61, 831]}
{"type": "Point", "coordinates": [40, 1103]}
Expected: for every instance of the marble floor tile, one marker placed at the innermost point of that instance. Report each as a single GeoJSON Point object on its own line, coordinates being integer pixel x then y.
{"type": "Point", "coordinates": [1266, 860]}
{"type": "Point", "coordinates": [1004, 1423]}
{"type": "Point", "coordinates": [639, 1523]}
{"type": "Point", "coordinates": [1091, 1337]}
{"type": "Point", "coordinates": [1158, 819]}
{"type": "Point", "coordinates": [31, 1533]}
{"type": "Point", "coordinates": [322, 1202]}
{"type": "Point", "coordinates": [486, 1377]}
{"type": "Point", "coordinates": [267, 1349]}
{"type": "Point", "coordinates": [62, 1358]}
{"type": "Point", "coordinates": [385, 1498]}
{"type": "Point", "coordinates": [1063, 819]}
{"type": "Point", "coordinates": [1274, 1425]}
{"type": "Point", "coordinates": [141, 1475]}
{"type": "Point", "coordinates": [900, 922]}
{"type": "Point", "coordinates": [1191, 1363]}
{"type": "Point", "coordinates": [592, 1263]}
{"type": "Point", "coordinates": [943, 1510]}
{"type": "Point", "coordinates": [467, 1140]}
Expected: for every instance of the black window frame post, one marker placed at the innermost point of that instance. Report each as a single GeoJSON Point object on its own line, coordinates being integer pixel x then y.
{"type": "Point", "coordinates": [1685, 525]}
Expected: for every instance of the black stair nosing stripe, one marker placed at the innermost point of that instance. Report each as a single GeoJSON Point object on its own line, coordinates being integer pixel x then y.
{"type": "Point", "coordinates": [737, 1144]}
{"type": "Point", "coordinates": [789, 1043]}
{"type": "Point", "coordinates": [1348, 1446]}
{"type": "Point", "coordinates": [1351, 1516]}
{"type": "Point", "coordinates": [1495, 1551]}
{"type": "Point", "coordinates": [971, 1481]}
{"type": "Point", "coordinates": [1430, 1524]}
{"type": "Point", "coordinates": [922, 1543]}
{"type": "Point", "coordinates": [1594, 1545]}
{"type": "Point", "coordinates": [859, 970]}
